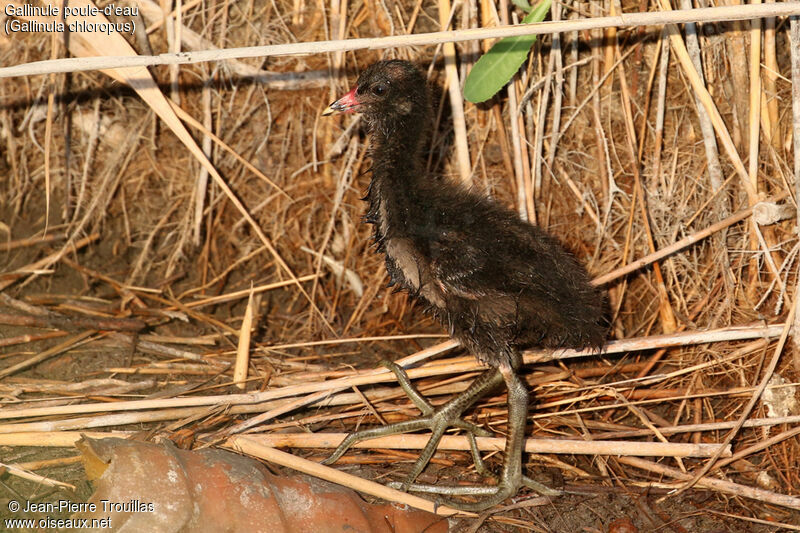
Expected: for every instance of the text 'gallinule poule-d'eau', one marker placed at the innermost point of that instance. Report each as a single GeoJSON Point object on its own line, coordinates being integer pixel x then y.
{"type": "Point", "coordinates": [498, 283]}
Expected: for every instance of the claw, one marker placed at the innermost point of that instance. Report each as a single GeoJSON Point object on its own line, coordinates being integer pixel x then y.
{"type": "Point", "coordinates": [439, 420]}
{"type": "Point", "coordinates": [436, 420]}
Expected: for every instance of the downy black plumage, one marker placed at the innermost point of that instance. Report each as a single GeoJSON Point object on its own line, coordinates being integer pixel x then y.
{"type": "Point", "coordinates": [496, 282]}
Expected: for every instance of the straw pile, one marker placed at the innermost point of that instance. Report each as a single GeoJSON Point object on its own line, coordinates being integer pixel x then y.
{"type": "Point", "coordinates": [185, 258]}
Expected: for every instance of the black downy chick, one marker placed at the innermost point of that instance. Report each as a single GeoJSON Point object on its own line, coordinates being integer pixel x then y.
{"type": "Point", "coordinates": [496, 282]}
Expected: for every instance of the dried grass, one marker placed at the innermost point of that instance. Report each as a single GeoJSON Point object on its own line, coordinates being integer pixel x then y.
{"type": "Point", "coordinates": [631, 182]}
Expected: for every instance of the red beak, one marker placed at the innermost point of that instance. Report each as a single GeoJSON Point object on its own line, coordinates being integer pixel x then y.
{"type": "Point", "coordinates": [346, 104]}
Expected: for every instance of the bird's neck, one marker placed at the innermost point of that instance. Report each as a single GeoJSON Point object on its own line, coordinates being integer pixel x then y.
{"type": "Point", "coordinates": [397, 173]}
{"type": "Point", "coordinates": [397, 152]}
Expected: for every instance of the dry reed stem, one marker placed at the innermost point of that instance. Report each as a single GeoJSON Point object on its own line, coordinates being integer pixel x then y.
{"type": "Point", "coordinates": [755, 118]}
{"type": "Point", "coordinates": [58, 439]}
{"type": "Point", "coordinates": [659, 64]}
{"type": "Point", "coordinates": [496, 444]}
{"type": "Point", "coordinates": [719, 485]}
{"type": "Point", "coordinates": [166, 351]}
{"type": "Point", "coordinates": [173, 24]}
{"type": "Point", "coordinates": [558, 90]}
{"type": "Point", "coordinates": [456, 100]}
{"type": "Point", "coordinates": [253, 447]}
{"type": "Point", "coordinates": [708, 426]}
{"type": "Point", "coordinates": [660, 341]}
{"type": "Point", "coordinates": [382, 375]}
{"type": "Point", "coordinates": [353, 339]}
{"type": "Point", "coordinates": [242, 363]}
{"type": "Point", "coordinates": [710, 14]}
{"type": "Point", "coordinates": [705, 98]}
{"type": "Point", "coordinates": [755, 100]}
{"type": "Point", "coordinates": [49, 463]}
{"type": "Point", "coordinates": [172, 339]}
{"type": "Point", "coordinates": [25, 339]}
{"type": "Point", "coordinates": [679, 245]}
{"type": "Point", "coordinates": [521, 174]}
{"type": "Point", "coordinates": [794, 41]}
{"type": "Point", "coordinates": [48, 131]}
{"type": "Point", "coordinates": [36, 478]}
{"type": "Point", "coordinates": [769, 97]}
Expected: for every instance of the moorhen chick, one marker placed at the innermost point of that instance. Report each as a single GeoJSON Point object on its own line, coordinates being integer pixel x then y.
{"type": "Point", "coordinates": [496, 282]}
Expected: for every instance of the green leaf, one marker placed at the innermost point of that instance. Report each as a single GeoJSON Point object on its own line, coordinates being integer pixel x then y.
{"type": "Point", "coordinates": [523, 5]}
{"type": "Point", "coordinates": [496, 67]}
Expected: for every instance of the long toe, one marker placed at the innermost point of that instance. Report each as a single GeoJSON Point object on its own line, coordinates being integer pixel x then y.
{"type": "Point", "coordinates": [383, 431]}
{"type": "Point", "coordinates": [445, 417]}
{"type": "Point", "coordinates": [541, 488]}
{"type": "Point", "coordinates": [489, 495]}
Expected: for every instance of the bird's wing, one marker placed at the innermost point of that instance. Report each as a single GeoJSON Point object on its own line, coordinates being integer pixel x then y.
{"type": "Point", "coordinates": [467, 265]}
{"type": "Point", "coordinates": [517, 262]}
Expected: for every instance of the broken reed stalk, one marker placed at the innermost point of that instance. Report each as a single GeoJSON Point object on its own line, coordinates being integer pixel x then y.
{"type": "Point", "coordinates": [31, 241]}
{"type": "Point", "coordinates": [242, 364]}
{"type": "Point", "coordinates": [49, 463]}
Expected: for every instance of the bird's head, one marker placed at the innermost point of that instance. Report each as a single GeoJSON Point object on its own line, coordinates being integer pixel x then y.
{"type": "Point", "coordinates": [389, 94]}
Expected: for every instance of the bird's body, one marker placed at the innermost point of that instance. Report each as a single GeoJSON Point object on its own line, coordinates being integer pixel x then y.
{"type": "Point", "coordinates": [496, 282]}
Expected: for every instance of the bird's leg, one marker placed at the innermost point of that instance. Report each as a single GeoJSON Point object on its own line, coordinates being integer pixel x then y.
{"type": "Point", "coordinates": [437, 420]}
{"type": "Point", "coordinates": [511, 478]}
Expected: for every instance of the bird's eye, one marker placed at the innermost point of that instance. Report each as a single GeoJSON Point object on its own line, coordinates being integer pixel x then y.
{"type": "Point", "coordinates": [379, 89]}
